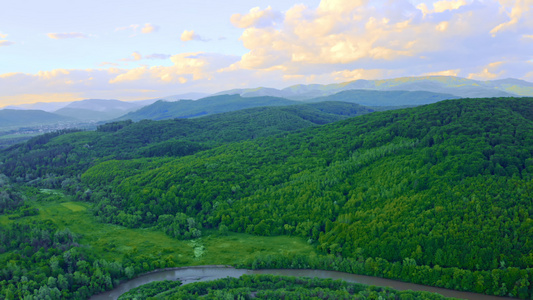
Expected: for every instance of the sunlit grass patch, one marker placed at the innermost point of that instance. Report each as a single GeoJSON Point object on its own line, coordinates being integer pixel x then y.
{"type": "Point", "coordinates": [73, 206]}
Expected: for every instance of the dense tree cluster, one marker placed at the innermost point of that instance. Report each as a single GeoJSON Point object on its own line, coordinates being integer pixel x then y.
{"type": "Point", "coordinates": [270, 287]}
{"type": "Point", "coordinates": [447, 184]}
{"type": "Point", "coordinates": [439, 194]}
{"type": "Point", "coordinates": [503, 281]}
{"type": "Point", "coordinates": [67, 153]}
{"type": "Point", "coordinates": [42, 262]}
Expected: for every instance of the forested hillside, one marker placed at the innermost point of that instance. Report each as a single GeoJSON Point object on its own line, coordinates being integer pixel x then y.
{"type": "Point", "coordinates": [446, 184]}
{"type": "Point", "coordinates": [55, 156]}
{"type": "Point", "coordinates": [440, 194]}
{"type": "Point", "coordinates": [386, 98]}
{"type": "Point", "coordinates": [162, 110]}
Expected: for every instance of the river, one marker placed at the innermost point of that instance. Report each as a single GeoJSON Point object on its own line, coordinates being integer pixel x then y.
{"type": "Point", "coordinates": [205, 273]}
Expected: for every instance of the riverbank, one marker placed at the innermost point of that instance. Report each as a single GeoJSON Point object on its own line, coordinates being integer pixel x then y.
{"type": "Point", "coordinates": [212, 272]}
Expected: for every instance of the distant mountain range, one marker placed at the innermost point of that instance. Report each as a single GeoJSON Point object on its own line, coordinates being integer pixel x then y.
{"type": "Point", "coordinates": [21, 118]}
{"type": "Point", "coordinates": [459, 87]}
{"type": "Point", "coordinates": [405, 91]}
{"type": "Point", "coordinates": [161, 110]}
{"type": "Point", "coordinates": [97, 109]}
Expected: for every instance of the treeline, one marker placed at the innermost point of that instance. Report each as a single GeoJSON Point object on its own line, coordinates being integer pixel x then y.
{"type": "Point", "coordinates": [270, 287]}
{"type": "Point", "coordinates": [503, 281]}
{"type": "Point", "coordinates": [67, 153]}
{"type": "Point", "coordinates": [447, 184]}
{"type": "Point", "coordinates": [39, 261]}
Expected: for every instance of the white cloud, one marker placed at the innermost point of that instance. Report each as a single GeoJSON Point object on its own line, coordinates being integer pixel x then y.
{"type": "Point", "coordinates": [444, 73]}
{"type": "Point", "coordinates": [190, 35]}
{"type": "Point", "coordinates": [442, 6]}
{"type": "Point", "coordinates": [517, 9]}
{"type": "Point", "coordinates": [256, 18]}
{"type": "Point", "coordinates": [336, 41]}
{"type": "Point", "coordinates": [149, 28]}
{"type": "Point", "coordinates": [350, 39]}
{"type": "Point", "coordinates": [68, 35]}
{"type": "Point", "coordinates": [135, 57]}
{"type": "Point", "coordinates": [488, 72]}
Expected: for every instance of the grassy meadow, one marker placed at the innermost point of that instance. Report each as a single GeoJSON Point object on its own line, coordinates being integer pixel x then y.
{"type": "Point", "coordinates": [114, 242]}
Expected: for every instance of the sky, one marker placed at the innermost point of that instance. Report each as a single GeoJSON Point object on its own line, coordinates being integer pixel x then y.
{"type": "Point", "coordinates": [64, 50]}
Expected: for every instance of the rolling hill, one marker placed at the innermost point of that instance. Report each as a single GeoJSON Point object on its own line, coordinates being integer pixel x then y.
{"type": "Point", "coordinates": [125, 140]}
{"type": "Point", "coordinates": [438, 189]}
{"type": "Point", "coordinates": [162, 110]}
{"type": "Point", "coordinates": [97, 109]}
{"type": "Point", "coordinates": [438, 194]}
{"type": "Point", "coordinates": [385, 98]}
{"type": "Point", "coordinates": [459, 87]}
{"type": "Point", "coordinates": [19, 118]}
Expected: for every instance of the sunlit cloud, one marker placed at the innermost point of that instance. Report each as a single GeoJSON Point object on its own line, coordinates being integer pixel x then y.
{"type": "Point", "coordinates": [190, 35]}
{"type": "Point", "coordinates": [105, 63]}
{"type": "Point", "coordinates": [336, 41]}
{"type": "Point", "coordinates": [4, 43]}
{"type": "Point", "coordinates": [256, 18]}
{"type": "Point", "coordinates": [515, 10]}
{"type": "Point", "coordinates": [353, 39]}
{"type": "Point", "coordinates": [42, 97]}
{"type": "Point", "coordinates": [68, 35]}
{"type": "Point", "coordinates": [3, 35]}
{"type": "Point", "coordinates": [441, 6]}
{"type": "Point", "coordinates": [149, 28]}
{"type": "Point", "coordinates": [444, 73]}
{"type": "Point", "coordinates": [135, 57]}
{"type": "Point", "coordinates": [491, 71]}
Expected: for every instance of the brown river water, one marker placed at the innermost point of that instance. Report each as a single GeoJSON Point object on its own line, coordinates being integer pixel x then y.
{"type": "Point", "coordinates": [205, 273]}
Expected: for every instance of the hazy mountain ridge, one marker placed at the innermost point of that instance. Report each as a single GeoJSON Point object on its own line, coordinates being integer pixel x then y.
{"type": "Point", "coordinates": [97, 109]}
{"type": "Point", "coordinates": [161, 110]}
{"type": "Point", "coordinates": [457, 86]}
{"type": "Point", "coordinates": [385, 98]}
{"type": "Point", "coordinates": [177, 137]}
{"type": "Point", "coordinates": [14, 118]}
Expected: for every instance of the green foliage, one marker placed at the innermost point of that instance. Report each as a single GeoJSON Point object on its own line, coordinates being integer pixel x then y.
{"type": "Point", "coordinates": [512, 282]}
{"type": "Point", "coordinates": [113, 126]}
{"type": "Point", "coordinates": [50, 159]}
{"type": "Point", "coordinates": [444, 188]}
{"type": "Point", "coordinates": [271, 287]}
{"type": "Point", "coordinates": [42, 262]}
{"type": "Point", "coordinates": [447, 184]}
{"type": "Point", "coordinates": [149, 290]}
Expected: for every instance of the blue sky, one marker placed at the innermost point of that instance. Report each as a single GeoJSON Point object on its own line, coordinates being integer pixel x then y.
{"type": "Point", "coordinates": [132, 50]}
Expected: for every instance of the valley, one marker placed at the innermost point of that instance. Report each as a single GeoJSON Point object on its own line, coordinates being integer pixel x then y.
{"type": "Point", "coordinates": [438, 194]}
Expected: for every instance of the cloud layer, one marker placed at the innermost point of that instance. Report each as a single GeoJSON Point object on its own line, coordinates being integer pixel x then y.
{"type": "Point", "coordinates": [339, 40]}
{"type": "Point", "coordinates": [69, 35]}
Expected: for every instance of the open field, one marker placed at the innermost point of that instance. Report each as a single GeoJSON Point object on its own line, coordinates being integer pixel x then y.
{"type": "Point", "coordinates": [113, 242]}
